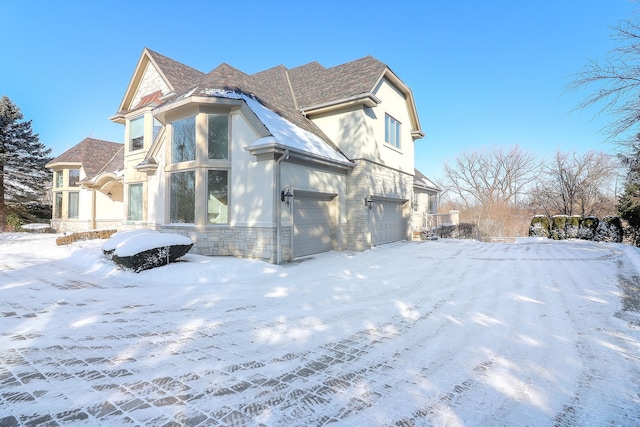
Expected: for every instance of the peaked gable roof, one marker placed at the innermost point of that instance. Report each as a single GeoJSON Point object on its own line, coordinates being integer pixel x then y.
{"type": "Point", "coordinates": [94, 155]}
{"type": "Point", "coordinates": [175, 75]}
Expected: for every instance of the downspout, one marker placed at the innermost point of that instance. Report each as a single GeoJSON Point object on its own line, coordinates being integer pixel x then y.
{"type": "Point", "coordinates": [278, 207]}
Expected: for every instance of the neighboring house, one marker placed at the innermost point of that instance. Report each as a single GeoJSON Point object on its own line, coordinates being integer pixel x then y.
{"type": "Point", "coordinates": [425, 201]}
{"type": "Point", "coordinates": [87, 186]}
{"type": "Point", "coordinates": [275, 165]}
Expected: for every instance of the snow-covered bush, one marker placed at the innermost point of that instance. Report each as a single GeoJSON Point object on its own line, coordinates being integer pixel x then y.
{"type": "Point", "coordinates": [587, 228]}
{"type": "Point", "coordinates": [558, 227]}
{"type": "Point", "coordinates": [539, 226]}
{"type": "Point", "coordinates": [572, 226]}
{"type": "Point", "coordinates": [609, 230]}
{"type": "Point", "coordinates": [139, 250]}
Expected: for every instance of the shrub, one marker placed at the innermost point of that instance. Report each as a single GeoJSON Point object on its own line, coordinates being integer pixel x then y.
{"type": "Point", "coordinates": [539, 226]}
{"type": "Point", "coordinates": [609, 230]}
{"type": "Point", "coordinates": [558, 227]}
{"type": "Point", "coordinates": [587, 228]}
{"type": "Point", "coordinates": [572, 227]}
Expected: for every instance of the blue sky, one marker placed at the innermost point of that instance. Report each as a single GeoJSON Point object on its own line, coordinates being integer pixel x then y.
{"type": "Point", "coordinates": [484, 73]}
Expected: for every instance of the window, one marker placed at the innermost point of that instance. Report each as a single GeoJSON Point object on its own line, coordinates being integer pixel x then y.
{"type": "Point", "coordinates": [58, 205]}
{"type": "Point", "coordinates": [391, 131]}
{"type": "Point", "coordinates": [74, 177]}
{"type": "Point", "coordinates": [59, 179]}
{"type": "Point", "coordinates": [136, 134]}
{"type": "Point", "coordinates": [183, 147]}
{"type": "Point", "coordinates": [135, 203]}
{"type": "Point", "coordinates": [182, 199]}
{"type": "Point", "coordinates": [74, 199]}
{"type": "Point", "coordinates": [217, 197]}
{"type": "Point", "coordinates": [218, 138]}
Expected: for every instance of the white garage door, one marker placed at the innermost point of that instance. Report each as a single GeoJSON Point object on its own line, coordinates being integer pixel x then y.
{"type": "Point", "coordinates": [387, 222]}
{"type": "Point", "coordinates": [311, 225]}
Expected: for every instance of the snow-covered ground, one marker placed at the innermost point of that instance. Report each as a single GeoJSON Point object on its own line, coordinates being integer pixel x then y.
{"type": "Point", "coordinates": [446, 332]}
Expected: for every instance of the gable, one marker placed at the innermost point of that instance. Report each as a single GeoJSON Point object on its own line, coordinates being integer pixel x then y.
{"type": "Point", "coordinates": [150, 83]}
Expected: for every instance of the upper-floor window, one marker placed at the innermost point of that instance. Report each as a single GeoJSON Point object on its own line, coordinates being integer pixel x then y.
{"type": "Point", "coordinates": [74, 177]}
{"type": "Point", "coordinates": [391, 131]}
{"type": "Point", "coordinates": [59, 179]}
{"type": "Point", "coordinates": [183, 147]}
{"type": "Point", "coordinates": [136, 134]}
{"type": "Point", "coordinates": [218, 137]}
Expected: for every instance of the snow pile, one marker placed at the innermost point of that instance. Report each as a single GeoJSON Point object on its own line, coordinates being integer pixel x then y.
{"type": "Point", "coordinates": [143, 249]}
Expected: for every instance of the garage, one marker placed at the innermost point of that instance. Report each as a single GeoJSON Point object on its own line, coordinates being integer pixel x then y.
{"type": "Point", "coordinates": [387, 221]}
{"type": "Point", "coordinates": [312, 228]}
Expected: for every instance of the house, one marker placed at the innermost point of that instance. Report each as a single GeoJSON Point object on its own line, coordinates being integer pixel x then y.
{"type": "Point", "coordinates": [274, 165]}
{"type": "Point", "coordinates": [87, 188]}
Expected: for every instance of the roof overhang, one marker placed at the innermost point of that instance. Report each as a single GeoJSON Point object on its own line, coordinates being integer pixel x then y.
{"type": "Point", "coordinates": [277, 149]}
{"type": "Point", "coordinates": [161, 112]}
{"type": "Point", "coordinates": [364, 99]}
{"type": "Point", "coordinates": [63, 165]}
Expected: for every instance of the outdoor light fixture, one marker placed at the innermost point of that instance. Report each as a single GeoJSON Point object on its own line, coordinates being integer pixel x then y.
{"type": "Point", "coordinates": [109, 194]}
{"type": "Point", "coordinates": [286, 195]}
{"type": "Point", "coordinates": [367, 202]}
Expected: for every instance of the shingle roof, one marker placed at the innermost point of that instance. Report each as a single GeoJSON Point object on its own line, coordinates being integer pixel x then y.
{"type": "Point", "coordinates": [95, 155]}
{"type": "Point", "coordinates": [313, 84]}
{"type": "Point", "coordinates": [180, 76]}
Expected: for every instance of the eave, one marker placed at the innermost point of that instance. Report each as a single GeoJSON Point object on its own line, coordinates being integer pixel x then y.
{"type": "Point", "coordinates": [276, 148]}
{"type": "Point", "coordinates": [63, 165]}
{"type": "Point", "coordinates": [365, 99]}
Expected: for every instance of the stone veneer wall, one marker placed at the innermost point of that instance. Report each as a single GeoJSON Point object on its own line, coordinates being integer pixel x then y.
{"type": "Point", "coordinates": [370, 179]}
{"type": "Point", "coordinates": [244, 242]}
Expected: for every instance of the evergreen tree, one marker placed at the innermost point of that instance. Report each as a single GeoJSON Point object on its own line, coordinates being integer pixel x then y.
{"type": "Point", "coordinates": [23, 176]}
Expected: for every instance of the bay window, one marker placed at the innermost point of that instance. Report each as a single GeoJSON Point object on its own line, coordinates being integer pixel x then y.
{"type": "Point", "coordinates": [59, 179]}
{"type": "Point", "coordinates": [182, 197]}
{"type": "Point", "coordinates": [198, 174]}
{"type": "Point", "coordinates": [183, 147]}
{"type": "Point", "coordinates": [74, 177]}
{"type": "Point", "coordinates": [57, 207]}
{"type": "Point", "coordinates": [217, 197]}
{"type": "Point", "coordinates": [218, 137]}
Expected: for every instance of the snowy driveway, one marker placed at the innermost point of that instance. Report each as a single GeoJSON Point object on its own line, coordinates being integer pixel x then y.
{"type": "Point", "coordinates": [432, 333]}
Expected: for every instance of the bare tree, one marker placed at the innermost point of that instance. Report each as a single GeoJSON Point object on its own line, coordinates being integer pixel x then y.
{"type": "Point", "coordinates": [617, 82]}
{"type": "Point", "coordinates": [490, 186]}
{"type": "Point", "coordinates": [576, 185]}
{"type": "Point", "coordinates": [494, 178]}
